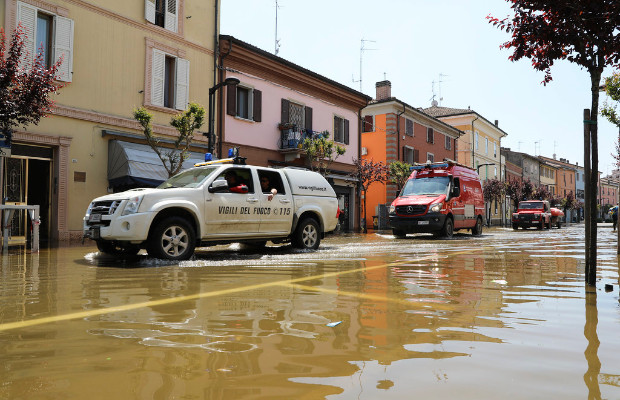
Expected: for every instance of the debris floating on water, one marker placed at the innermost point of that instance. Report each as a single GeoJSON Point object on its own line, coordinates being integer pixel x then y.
{"type": "Point", "coordinates": [332, 324]}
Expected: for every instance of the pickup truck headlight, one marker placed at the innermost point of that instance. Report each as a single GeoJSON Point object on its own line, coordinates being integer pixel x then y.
{"type": "Point", "coordinates": [436, 207]}
{"type": "Point", "coordinates": [88, 210]}
{"type": "Point", "coordinates": [131, 207]}
{"type": "Point", "coordinates": [392, 209]}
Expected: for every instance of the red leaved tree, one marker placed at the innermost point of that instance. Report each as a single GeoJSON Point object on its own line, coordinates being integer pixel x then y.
{"type": "Point", "coordinates": [24, 93]}
{"type": "Point", "coordinates": [584, 32]}
{"type": "Point", "coordinates": [368, 172]}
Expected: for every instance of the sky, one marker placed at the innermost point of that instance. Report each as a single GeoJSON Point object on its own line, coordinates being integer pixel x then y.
{"type": "Point", "coordinates": [441, 49]}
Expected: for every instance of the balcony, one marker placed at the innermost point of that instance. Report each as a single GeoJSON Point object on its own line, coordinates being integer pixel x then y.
{"type": "Point", "coordinates": [292, 139]}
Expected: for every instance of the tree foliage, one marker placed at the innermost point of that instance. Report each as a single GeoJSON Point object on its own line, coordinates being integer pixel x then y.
{"type": "Point", "coordinates": [610, 112]}
{"type": "Point", "coordinates": [493, 189]}
{"type": "Point", "coordinates": [399, 173]}
{"type": "Point", "coordinates": [24, 92]}
{"type": "Point", "coordinates": [321, 152]}
{"type": "Point", "coordinates": [368, 172]}
{"type": "Point", "coordinates": [185, 123]}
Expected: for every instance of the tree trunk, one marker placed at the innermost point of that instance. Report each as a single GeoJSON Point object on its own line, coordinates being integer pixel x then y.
{"type": "Point", "coordinates": [591, 157]}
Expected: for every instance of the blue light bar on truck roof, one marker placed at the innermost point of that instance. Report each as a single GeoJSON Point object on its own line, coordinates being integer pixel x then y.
{"type": "Point", "coordinates": [419, 167]}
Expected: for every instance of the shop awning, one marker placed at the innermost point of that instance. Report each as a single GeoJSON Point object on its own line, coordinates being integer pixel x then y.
{"type": "Point", "coordinates": [134, 164]}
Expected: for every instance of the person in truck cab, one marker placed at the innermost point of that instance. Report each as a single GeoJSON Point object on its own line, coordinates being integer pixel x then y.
{"type": "Point", "coordinates": [234, 183]}
{"type": "Point", "coordinates": [267, 188]}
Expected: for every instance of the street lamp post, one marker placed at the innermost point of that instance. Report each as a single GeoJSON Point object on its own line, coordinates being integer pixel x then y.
{"type": "Point", "coordinates": [227, 82]}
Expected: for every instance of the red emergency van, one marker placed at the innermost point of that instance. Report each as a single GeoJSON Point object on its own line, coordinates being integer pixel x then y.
{"type": "Point", "coordinates": [439, 198]}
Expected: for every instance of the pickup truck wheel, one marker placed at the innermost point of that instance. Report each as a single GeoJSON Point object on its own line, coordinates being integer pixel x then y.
{"type": "Point", "coordinates": [515, 227]}
{"type": "Point", "coordinates": [307, 235]}
{"type": "Point", "coordinates": [448, 228]}
{"type": "Point", "coordinates": [559, 223]}
{"type": "Point", "coordinates": [172, 239]}
{"type": "Point", "coordinates": [115, 249]}
{"type": "Point", "coordinates": [477, 229]}
{"type": "Point", "coordinates": [541, 225]}
{"type": "Point", "coordinates": [398, 233]}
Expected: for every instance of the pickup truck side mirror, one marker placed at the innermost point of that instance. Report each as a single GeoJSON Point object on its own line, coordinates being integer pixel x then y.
{"type": "Point", "coordinates": [456, 192]}
{"type": "Point", "coordinates": [219, 185]}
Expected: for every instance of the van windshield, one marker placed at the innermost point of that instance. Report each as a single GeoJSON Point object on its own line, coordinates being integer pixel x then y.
{"type": "Point", "coordinates": [426, 186]}
{"type": "Point", "coordinates": [188, 179]}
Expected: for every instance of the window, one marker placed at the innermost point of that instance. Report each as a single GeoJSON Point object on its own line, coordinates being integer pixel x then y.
{"type": "Point", "coordinates": [341, 130]}
{"type": "Point", "coordinates": [486, 145]}
{"type": "Point", "coordinates": [408, 127]}
{"type": "Point", "coordinates": [50, 33]}
{"type": "Point", "coordinates": [430, 157]}
{"type": "Point", "coordinates": [494, 149]}
{"type": "Point", "coordinates": [496, 172]}
{"type": "Point", "coordinates": [408, 155]}
{"type": "Point", "coordinates": [368, 123]}
{"type": "Point", "coordinates": [164, 13]}
{"type": "Point", "coordinates": [448, 143]}
{"type": "Point", "coordinates": [295, 113]}
{"type": "Point", "coordinates": [169, 81]}
{"type": "Point", "coordinates": [430, 135]}
{"type": "Point", "coordinates": [476, 140]}
{"type": "Point", "coordinates": [244, 102]}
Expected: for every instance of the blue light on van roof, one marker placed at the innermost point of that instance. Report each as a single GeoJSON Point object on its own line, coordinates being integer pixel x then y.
{"type": "Point", "coordinates": [208, 157]}
{"type": "Point", "coordinates": [434, 166]}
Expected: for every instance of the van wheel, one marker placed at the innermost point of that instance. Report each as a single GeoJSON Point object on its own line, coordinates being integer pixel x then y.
{"type": "Point", "coordinates": [116, 249]}
{"type": "Point", "coordinates": [477, 229]}
{"type": "Point", "coordinates": [172, 239]}
{"type": "Point", "coordinates": [448, 228]}
{"type": "Point", "coordinates": [307, 235]}
{"type": "Point", "coordinates": [398, 233]}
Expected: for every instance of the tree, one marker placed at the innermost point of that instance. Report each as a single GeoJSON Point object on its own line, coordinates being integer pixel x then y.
{"type": "Point", "coordinates": [493, 190]}
{"type": "Point", "coordinates": [185, 123]}
{"type": "Point", "coordinates": [321, 152]}
{"type": "Point", "coordinates": [542, 193]}
{"type": "Point", "coordinates": [612, 89]}
{"type": "Point", "coordinates": [519, 190]}
{"type": "Point", "coordinates": [24, 92]}
{"type": "Point", "coordinates": [584, 32]}
{"type": "Point", "coordinates": [368, 172]}
{"type": "Point", "coordinates": [399, 173]}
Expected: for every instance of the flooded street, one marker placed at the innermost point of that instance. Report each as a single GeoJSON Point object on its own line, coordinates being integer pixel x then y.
{"type": "Point", "coordinates": [504, 315]}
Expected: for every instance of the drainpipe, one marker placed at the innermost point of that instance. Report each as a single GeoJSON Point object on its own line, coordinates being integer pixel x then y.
{"type": "Point", "coordinates": [473, 142]}
{"type": "Point", "coordinates": [220, 98]}
{"type": "Point", "coordinates": [398, 149]}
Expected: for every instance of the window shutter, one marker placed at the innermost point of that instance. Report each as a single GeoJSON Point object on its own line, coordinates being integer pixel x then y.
{"type": "Point", "coordinates": [257, 97]}
{"type": "Point", "coordinates": [285, 111]}
{"type": "Point", "coordinates": [171, 15]}
{"type": "Point", "coordinates": [346, 131]}
{"type": "Point", "coordinates": [404, 154]}
{"type": "Point", "coordinates": [63, 47]}
{"type": "Point", "coordinates": [368, 124]}
{"type": "Point", "coordinates": [416, 155]}
{"type": "Point", "coordinates": [157, 80]}
{"type": "Point", "coordinates": [27, 15]}
{"type": "Point", "coordinates": [231, 100]}
{"type": "Point", "coordinates": [308, 118]}
{"type": "Point", "coordinates": [149, 10]}
{"type": "Point", "coordinates": [182, 84]}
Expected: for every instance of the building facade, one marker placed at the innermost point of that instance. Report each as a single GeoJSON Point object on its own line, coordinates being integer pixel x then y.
{"type": "Point", "coordinates": [116, 56]}
{"type": "Point", "coordinates": [396, 131]}
{"type": "Point", "coordinates": [277, 105]}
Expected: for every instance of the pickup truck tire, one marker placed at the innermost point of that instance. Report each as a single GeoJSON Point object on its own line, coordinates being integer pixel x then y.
{"type": "Point", "coordinates": [115, 249]}
{"type": "Point", "coordinates": [515, 227]}
{"type": "Point", "coordinates": [172, 239]}
{"type": "Point", "coordinates": [448, 228]}
{"type": "Point", "coordinates": [307, 235]}
{"type": "Point", "coordinates": [559, 223]}
{"type": "Point", "coordinates": [541, 226]}
{"type": "Point", "coordinates": [477, 229]}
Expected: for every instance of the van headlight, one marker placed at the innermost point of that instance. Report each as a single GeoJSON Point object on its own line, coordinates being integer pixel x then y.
{"type": "Point", "coordinates": [392, 209]}
{"type": "Point", "coordinates": [131, 207]}
{"type": "Point", "coordinates": [436, 207]}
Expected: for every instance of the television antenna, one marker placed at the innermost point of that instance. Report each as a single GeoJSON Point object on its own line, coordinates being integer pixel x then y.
{"type": "Point", "coordinates": [433, 101]}
{"type": "Point", "coordinates": [362, 50]}
{"type": "Point", "coordinates": [277, 41]}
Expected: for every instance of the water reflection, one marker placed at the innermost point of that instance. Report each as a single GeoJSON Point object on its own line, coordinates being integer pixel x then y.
{"type": "Point", "coordinates": [418, 318]}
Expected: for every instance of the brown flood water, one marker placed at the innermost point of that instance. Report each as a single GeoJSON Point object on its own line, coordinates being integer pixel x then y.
{"type": "Point", "coordinates": [505, 315]}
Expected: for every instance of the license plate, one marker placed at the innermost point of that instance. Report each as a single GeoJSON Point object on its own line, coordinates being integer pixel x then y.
{"type": "Point", "coordinates": [94, 218]}
{"type": "Point", "coordinates": [422, 222]}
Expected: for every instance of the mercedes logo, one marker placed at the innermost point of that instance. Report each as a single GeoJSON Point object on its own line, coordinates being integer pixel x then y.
{"type": "Point", "coordinates": [409, 209]}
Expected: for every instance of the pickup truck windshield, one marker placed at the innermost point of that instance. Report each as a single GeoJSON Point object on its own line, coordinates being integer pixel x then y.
{"type": "Point", "coordinates": [426, 186]}
{"type": "Point", "coordinates": [188, 179]}
{"type": "Point", "coordinates": [525, 205]}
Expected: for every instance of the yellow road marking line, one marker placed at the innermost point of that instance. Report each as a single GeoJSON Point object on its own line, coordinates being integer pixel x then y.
{"type": "Point", "coordinates": [420, 304]}
{"type": "Point", "coordinates": [128, 307]}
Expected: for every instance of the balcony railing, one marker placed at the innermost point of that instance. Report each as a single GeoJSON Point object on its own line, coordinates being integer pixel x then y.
{"type": "Point", "coordinates": [292, 137]}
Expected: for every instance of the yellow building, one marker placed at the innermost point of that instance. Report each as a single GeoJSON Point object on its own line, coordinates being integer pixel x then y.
{"type": "Point", "coordinates": [548, 172]}
{"type": "Point", "coordinates": [117, 55]}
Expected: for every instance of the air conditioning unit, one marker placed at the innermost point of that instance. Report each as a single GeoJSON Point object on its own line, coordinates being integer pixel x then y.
{"type": "Point", "coordinates": [364, 151]}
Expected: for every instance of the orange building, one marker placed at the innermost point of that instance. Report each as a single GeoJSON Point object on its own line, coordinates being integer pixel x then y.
{"type": "Point", "coordinates": [395, 131]}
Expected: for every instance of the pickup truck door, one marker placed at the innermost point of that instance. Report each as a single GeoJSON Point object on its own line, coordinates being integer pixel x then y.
{"type": "Point", "coordinates": [232, 214]}
{"type": "Point", "coordinates": [277, 213]}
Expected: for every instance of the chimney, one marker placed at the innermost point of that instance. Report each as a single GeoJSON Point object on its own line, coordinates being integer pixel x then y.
{"type": "Point", "coordinates": [384, 90]}
{"type": "Point", "coordinates": [497, 123]}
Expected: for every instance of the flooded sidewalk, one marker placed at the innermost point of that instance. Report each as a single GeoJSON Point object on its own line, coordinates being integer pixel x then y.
{"type": "Point", "coordinates": [502, 315]}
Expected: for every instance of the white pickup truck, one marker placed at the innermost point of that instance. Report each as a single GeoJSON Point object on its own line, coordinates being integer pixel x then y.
{"type": "Point", "coordinates": [197, 208]}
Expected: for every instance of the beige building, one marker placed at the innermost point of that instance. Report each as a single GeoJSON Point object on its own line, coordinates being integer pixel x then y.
{"type": "Point", "coordinates": [117, 55]}
{"type": "Point", "coordinates": [548, 172]}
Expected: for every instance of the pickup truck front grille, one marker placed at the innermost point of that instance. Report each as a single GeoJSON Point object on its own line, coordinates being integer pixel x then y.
{"type": "Point", "coordinates": [100, 208]}
{"type": "Point", "coordinates": [526, 217]}
{"type": "Point", "coordinates": [411, 210]}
